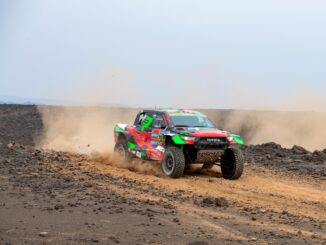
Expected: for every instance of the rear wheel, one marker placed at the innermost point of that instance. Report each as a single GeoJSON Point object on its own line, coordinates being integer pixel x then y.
{"type": "Point", "coordinates": [173, 163]}
{"type": "Point", "coordinates": [232, 163]}
{"type": "Point", "coordinates": [121, 149]}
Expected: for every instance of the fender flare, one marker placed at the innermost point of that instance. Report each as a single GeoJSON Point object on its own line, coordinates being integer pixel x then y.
{"type": "Point", "coordinates": [127, 135]}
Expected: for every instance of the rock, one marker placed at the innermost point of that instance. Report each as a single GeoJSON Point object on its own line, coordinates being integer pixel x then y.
{"type": "Point", "coordinates": [308, 157]}
{"type": "Point", "coordinates": [280, 154]}
{"type": "Point", "coordinates": [208, 201]}
{"type": "Point", "coordinates": [218, 202]}
{"type": "Point", "coordinates": [58, 206]}
{"type": "Point", "coordinates": [68, 179]}
{"type": "Point", "coordinates": [320, 154]}
{"type": "Point", "coordinates": [299, 150]}
{"type": "Point", "coordinates": [197, 243]}
{"type": "Point", "coordinates": [284, 212]}
{"type": "Point", "coordinates": [176, 220]}
{"type": "Point", "coordinates": [43, 233]}
{"type": "Point", "coordinates": [272, 145]}
{"type": "Point", "coordinates": [88, 184]}
{"type": "Point", "coordinates": [221, 202]}
{"type": "Point", "coordinates": [114, 239]}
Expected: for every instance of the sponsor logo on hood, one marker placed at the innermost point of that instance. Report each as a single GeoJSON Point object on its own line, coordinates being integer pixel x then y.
{"type": "Point", "coordinates": [213, 140]}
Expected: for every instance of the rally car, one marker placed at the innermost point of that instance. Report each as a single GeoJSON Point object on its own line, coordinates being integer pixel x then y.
{"type": "Point", "coordinates": [177, 137]}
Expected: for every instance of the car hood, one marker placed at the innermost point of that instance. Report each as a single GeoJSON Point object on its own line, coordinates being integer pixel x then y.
{"type": "Point", "coordinates": [202, 132]}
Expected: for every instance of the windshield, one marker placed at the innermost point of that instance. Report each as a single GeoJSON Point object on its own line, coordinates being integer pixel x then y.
{"type": "Point", "coordinates": [192, 121]}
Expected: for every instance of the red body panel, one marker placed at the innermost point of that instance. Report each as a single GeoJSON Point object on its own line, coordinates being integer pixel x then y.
{"type": "Point", "coordinates": [141, 138]}
{"type": "Point", "coordinates": [144, 139]}
{"type": "Point", "coordinates": [154, 154]}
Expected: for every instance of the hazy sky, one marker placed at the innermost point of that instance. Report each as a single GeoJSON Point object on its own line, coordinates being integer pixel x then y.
{"type": "Point", "coordinates": [226, 54]}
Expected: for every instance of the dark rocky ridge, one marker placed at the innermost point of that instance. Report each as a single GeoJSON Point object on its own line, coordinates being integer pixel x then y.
{"type": "Point", "coordinates": [20, 123]}
{"type": "Point", "coordinates": [295, 159]}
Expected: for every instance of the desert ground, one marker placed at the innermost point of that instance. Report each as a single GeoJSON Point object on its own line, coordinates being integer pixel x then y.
{"type": "Point", "coordinates": [50, 196]}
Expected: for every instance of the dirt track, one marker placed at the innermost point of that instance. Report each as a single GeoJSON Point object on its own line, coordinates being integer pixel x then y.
{"type": "Point", "coordinates": [57, 197]}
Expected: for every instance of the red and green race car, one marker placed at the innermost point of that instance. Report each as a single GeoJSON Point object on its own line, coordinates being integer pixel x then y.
{"type": "Point", "coordinates": [177, 137]}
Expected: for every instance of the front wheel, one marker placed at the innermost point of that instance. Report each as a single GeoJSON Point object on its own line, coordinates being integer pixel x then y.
{"type": "Point", "coordinates": [173, 163]}
{"type": "Point", "coordinates": [232, 163]}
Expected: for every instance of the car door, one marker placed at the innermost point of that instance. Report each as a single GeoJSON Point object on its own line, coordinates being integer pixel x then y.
{"type": "Point", "coordinates": [155, 152]}
{"type": "Point", "coordinates": [158, 125]}
{"type": "Point", "coordinates": [142, 132]}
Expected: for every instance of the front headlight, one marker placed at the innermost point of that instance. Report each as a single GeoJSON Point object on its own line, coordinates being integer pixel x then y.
{"type": "Point", "coordinates": [188, 138]}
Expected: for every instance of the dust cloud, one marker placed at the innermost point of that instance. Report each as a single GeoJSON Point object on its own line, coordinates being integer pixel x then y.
{"type": "Point", "coordinates": [306, 129]}
{"type": "Point", "coordinates": [296, 118]}
{"type": "Point", "coordinates": [80, 129]}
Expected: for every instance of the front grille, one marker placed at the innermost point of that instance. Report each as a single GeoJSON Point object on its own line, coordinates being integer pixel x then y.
{"type": "Point", "coordinates": [212, 142]}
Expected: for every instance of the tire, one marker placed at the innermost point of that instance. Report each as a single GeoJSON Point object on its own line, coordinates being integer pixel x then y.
{"type": "Point", "coordinates": [232, 163]}
{"type": "Point", "coordinates": [173, 163]}
{"type": "Point", "coordinates": [121, 149]}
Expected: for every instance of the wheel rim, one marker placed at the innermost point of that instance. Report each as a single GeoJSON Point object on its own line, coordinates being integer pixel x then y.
{"type": "Point", "coordinates": [168, 164]}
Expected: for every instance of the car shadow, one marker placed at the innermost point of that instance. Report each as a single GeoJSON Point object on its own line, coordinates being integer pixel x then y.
{"type": "Point", "coordinates": [197, 170]}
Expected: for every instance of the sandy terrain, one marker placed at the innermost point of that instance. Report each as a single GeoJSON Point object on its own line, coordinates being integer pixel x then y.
{"type": "Point", "coordinates": [67, 198]}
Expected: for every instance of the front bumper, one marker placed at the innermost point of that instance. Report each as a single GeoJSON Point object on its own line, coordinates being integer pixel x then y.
{"type": "Point", "coordinates": [206, 150]}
